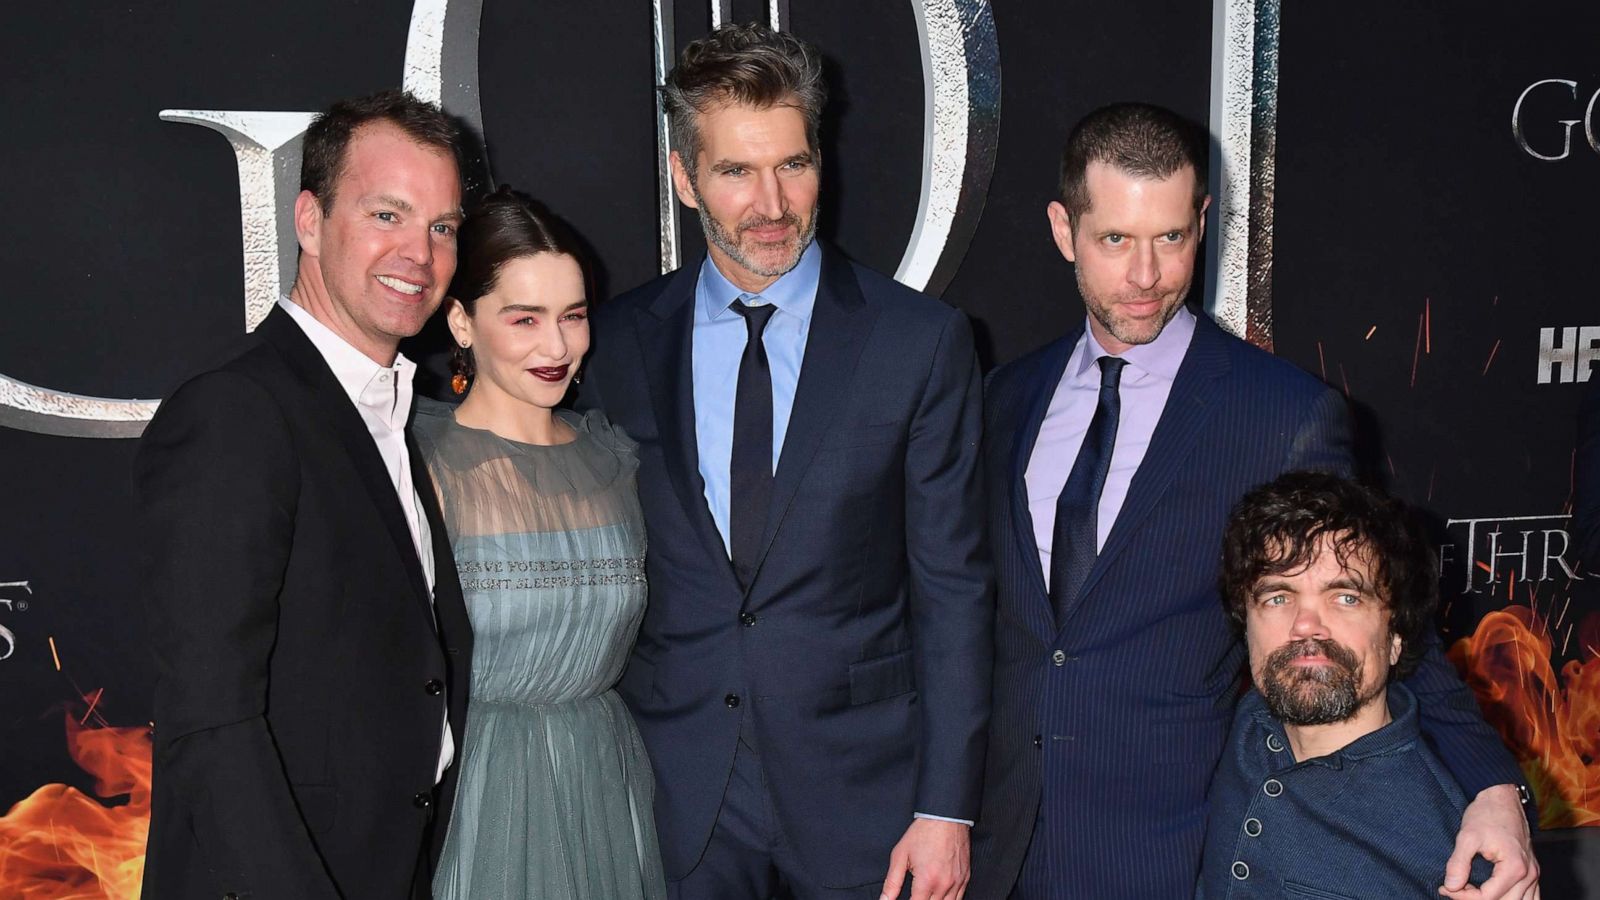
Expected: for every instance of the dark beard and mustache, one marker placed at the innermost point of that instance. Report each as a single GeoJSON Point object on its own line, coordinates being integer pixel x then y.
{"type": "Point", "coordinates": [1317, 695]}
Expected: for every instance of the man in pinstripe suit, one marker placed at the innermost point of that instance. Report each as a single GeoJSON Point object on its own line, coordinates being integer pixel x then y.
{"type": "Point", "coordinates": [1112, 457]}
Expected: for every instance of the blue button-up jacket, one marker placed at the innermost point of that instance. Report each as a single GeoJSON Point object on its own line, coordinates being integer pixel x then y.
{"type": "Point", "coordinates": [1377, 819]}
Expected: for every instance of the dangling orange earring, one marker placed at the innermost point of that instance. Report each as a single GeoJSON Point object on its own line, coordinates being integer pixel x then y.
{"type": "Point", "coordinates": [461, 365]}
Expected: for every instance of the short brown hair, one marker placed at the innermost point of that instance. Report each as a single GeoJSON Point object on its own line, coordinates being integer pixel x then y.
{"type": "Point", "coordinates": [327, 142]}
{"type": "Point", "coordinates": [1140, 139]}
{"type": "Point", "coordinates": [750, 65]}
{"type": "Point", "coordinates": [1278, 527]}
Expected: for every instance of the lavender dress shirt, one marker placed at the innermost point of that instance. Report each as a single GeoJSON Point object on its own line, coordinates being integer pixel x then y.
{"type": "Point", "coordinates": [1146, 383]}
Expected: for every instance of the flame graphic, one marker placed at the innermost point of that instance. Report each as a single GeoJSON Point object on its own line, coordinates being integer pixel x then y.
{"type": "Point", "coordinates": [1551, 724]}
{"type": "Point", "coordinates": [61, 844]}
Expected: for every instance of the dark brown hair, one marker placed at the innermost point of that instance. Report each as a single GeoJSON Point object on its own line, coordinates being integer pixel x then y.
{"type": "Point", "coordinates": [1278, 528]}
{"type": "Point", "coordinates": [750, 65]}
{"type": "Point", "coordinates": [1139, 139]}
{"type": "Point", "coordinates": [503, 226]}
{"type": "Point", "coordinates": [327, 142]}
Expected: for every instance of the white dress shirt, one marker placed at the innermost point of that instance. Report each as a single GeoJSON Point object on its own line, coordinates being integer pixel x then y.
{"type": "Point", "coordinates": [383, 397]}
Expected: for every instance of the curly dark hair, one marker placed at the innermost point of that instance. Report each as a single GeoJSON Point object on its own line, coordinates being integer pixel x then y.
{"type": "Point", "coordinates": [751, 65]}
{"type": "Point", "coordinates": [1278, 527]}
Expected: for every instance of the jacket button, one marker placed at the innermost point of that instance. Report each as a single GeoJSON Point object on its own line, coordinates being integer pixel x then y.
{"type": "Point", "coordinates": [747, 619]}
{"type": "Point", "coordinates": [422, 800]}
{"type": "Point", "coordinates": [1059, 657]}
{"type": "Point", "coordinates": [1241, 871]}
{"type": "Point", "coordinates": [1252, 827]}
{"type": "Point", "coordinates": [732, 700]}
{"type": "Point", "coordinates": [434, 687]}
{"type": "Point", "coordinates": [1273, 744]}
{"type": "Point", "coordinates": [1272, 788]}
{"type": "Point", "coordinates": [1038, 740]}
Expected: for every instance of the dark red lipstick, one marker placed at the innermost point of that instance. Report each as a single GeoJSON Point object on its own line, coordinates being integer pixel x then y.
{"type": "Point", "coordinates": [552, 374]}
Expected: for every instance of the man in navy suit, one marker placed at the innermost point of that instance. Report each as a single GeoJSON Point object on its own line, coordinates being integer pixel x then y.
{"type": "Point", "coordinates": [1112, 457]}
{"type": "Point", "coordinates": [812, 674]}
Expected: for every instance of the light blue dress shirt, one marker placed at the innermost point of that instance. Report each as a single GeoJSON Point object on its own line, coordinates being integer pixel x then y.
{"type": "Point", "coordinates": [716, 347]}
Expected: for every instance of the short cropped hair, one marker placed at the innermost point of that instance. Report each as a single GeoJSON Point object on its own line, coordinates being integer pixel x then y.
{"type": "Point", "coordinates": [750, 65]}
{"type": "Point", "coordinates": [504, 226]}
{"type": "Point", "coordinates": [1278, 527]}
{"type": "Point", "coordinates": [327, 143]}
{"type": "Point", "coordinates": [1139, 139]}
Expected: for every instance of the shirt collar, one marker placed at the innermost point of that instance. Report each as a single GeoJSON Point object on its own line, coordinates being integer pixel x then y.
{"type": "Point", "coordinates": [794, 293]}
{"type": "Point", "coordinates": [1161, 357]}
{"type": "Point", "coordinates": [354, 370]}
{"type": "Point", "coordinates": [1402, 730]}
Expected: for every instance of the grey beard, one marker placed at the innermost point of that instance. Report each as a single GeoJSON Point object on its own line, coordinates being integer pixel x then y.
{"type": "Point", "coordinates": [718, 237]}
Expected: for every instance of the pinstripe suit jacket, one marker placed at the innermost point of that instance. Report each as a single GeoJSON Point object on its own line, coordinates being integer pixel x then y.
{"type": "Point", "coordinates": [1112, 720]}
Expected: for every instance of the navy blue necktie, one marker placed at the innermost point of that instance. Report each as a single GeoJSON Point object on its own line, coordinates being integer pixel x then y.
{"type": "Point", "coordinates": [750, 469]}
{"type": "Point", "coordinates": [1072, 546]}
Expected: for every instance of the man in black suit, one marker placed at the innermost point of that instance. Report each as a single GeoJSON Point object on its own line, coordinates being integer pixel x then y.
{"type": "Point", "coordinates": [812, 675]}
{"type": "Point", "coordinates": [310, 637]}
{"type": "Point", "coordinates": [1112, 457]}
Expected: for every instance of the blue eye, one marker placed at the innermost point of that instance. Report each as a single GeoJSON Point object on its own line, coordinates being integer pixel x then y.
{"type": "Point", "coordinates": [386, 216]}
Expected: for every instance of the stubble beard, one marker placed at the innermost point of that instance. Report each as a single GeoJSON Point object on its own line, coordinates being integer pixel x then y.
{"type": "Point", "coordinates": [729, 244]}
{"type": "Point", "coordinates": [1318, 695]}
{"type": "Point", "coordinates": [1124, 330]}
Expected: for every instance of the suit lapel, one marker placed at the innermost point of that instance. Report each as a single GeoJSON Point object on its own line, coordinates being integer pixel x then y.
{"type": "Point", "coordinates": [1043, 383]}
{"type": "Point", "coordinates": [345, 420]}
{"type": "Point", "coordinates": [1182, 419]}
{"type": "Point", "coordinates": [840, 323]}
{"type": "Point", "coordinates": [666, 330]}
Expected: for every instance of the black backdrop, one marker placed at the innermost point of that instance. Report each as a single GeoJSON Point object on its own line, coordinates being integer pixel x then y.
{"type": "Point", "coordinates": [1413, 233]}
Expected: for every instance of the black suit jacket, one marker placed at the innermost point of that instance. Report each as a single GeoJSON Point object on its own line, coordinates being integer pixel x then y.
{"type": "Point", "coordinates": [859, 658]}
{"type": "Point", "coordinates": [301, 678]}
{"type": "Point", "coordinates": [1112, 720]}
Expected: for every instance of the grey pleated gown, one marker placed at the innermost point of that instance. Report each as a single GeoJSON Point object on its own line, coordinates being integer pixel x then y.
{"type": "Point", "coordinates": [555, 789]}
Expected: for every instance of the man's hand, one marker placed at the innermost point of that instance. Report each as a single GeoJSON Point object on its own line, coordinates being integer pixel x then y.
{"type": "Point", "coordinates": [1494, 827]}
{"type": "Point", "coordinates": [936, 854]}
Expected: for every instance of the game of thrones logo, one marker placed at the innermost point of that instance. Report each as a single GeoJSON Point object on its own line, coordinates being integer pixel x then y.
{"type": "Point", "coordinates": [1490, 552]}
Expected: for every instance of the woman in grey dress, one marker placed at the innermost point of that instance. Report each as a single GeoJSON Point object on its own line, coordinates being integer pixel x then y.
{"type": "Point", "coordinates": [555, 790]}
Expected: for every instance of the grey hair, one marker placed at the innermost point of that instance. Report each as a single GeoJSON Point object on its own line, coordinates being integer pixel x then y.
{"type": "Point", "coordinates": [750, 65]}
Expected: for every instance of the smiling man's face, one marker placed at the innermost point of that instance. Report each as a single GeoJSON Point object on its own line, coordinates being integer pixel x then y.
{"type": "Point", "coordinates": [386, 249]}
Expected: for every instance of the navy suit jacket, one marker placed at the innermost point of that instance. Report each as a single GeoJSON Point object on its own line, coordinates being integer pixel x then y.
{"type": "Point", "coordinates": [858, 661]}
{"type": "Point", "coordinates": [1112, 723]}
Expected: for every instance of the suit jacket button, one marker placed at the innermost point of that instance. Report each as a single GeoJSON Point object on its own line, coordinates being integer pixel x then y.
{"type": "Point", "coordinates": [747, 619]}
{"type": "Point", "coordinates": [1059, 657]}
{"type": "Point", "coordinates": [422, 800]}
{"type": "Point", "coordinates": [1038, 740]}
{"type": "Point", "coordinates": [732, 700]}
{"type": "Point", "coordinates": [434, 687]}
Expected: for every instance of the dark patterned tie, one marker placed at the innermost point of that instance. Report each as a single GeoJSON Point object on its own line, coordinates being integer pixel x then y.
{"type": "Point", "coordinates": [750, 469]}
{"type": "Point", "coordinates": [1072, 547]}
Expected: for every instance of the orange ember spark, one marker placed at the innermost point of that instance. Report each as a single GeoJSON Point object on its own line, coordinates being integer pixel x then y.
{"type": "Point", "coordinates": [1416, 353]}
{"type": "Point", "coordinates": [53, 654]}
{"type": "Point", "coordinates": [1369, 333]}
{"type": "Point", "coordinates": [1551, 722]}
{"type": "Point", "coordinates": [62, 844]}
{"type": "Point", "coordinates": [1492, 351]}
{"type": "Point", "coordinates": [1322, 365]}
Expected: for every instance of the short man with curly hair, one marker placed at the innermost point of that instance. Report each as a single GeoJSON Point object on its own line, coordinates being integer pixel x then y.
{"type": "Point", "coordinates": [1326, 785]}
